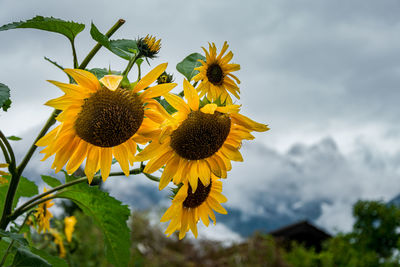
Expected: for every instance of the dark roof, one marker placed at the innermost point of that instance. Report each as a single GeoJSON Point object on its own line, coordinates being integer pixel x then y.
{"type": "Point", "coordinates": [302, 232]}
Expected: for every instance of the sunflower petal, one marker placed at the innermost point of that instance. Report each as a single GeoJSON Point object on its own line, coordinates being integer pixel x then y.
{"type": "Point", "coordinates": [191, 95]}
{"type": "Point", "coordinates": [248, 123]}
{"type": "Point", "coordinates": [150, 77]}
{"type": "Point", "coordinates": [111, 82]}
{"type": "Point", "coordinates": [209, 108]}
{"type": "Point", "coordinates": [158, 90]}
{"type": "Point", "coordinates": [105, 162]}
{"type": "Point", "coordinates": [177, 103]}
{"type": "Point", "coordinates": [84, 78]}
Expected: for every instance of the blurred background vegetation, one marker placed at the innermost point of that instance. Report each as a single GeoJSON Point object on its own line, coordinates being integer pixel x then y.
{"type": "Point", "coordinates": [374, 241]}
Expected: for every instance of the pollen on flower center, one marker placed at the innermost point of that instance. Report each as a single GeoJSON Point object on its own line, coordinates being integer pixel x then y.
{"type": "Point", "coordinates": [109, 118]}
{"type": "Point", "coordinates": [193, 200]}
{"type": "Point", "coordinates": [200, 135]}
{"type": "Point", "coordinates": [215, 74]}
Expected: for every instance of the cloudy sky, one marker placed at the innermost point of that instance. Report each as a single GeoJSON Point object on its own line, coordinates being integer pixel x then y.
{"type": "Point", "coordinates": [325, 75]}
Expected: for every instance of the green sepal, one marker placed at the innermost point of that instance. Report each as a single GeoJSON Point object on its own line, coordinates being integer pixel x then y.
{"type": "Point", "coordinates": [69, 29]}
{"type": "Point", "coordinates": [14, 138]}
{"type": "Point", "coordinates": [51, 181]}
{"type": "Point", "coordinates": [188, 64]}
{"type": "Point", "coordinates": [123, 48]}
{"type": "Point", "coordinates": [109, 214]}
{"type": "Point", "coordinates": [5, 101]}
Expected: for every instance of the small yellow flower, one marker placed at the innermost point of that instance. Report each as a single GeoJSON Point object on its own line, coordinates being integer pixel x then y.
{"type": "Point", "coordinates": [216, 75]}
{"type": "Point", "coordinates": [59, 243]}
{"type": "Point", "coordinates": [43, 215]}
{"type": "Point", "coordinates": [149, 46]}
{"type": "Point", "coordinates": [189, 207]}
{"type": "Point", "coordinates": [69, 227]}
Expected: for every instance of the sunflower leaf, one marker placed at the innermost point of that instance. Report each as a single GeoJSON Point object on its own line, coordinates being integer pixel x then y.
{"type": "Point", "coordinates": [188, 64]}
{"type": "Point", "coordinates": [109, 214]}
{"type": "Point", "coordinates": [24, 257]}
{"type": "Point", "coordinates": [123, 48]}
{"type": "Point", "coordinates": [5, 101]}
{"type": "Point", "coordinates": [51, 181]}
{"type": "Point", "coordinates": [26, 188]}
{"type": "Point", "coordinates": [19, 238]}
{"type": "Point", "coordinates": [67, 28]}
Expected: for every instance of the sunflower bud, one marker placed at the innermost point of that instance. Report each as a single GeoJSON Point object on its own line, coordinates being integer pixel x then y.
{"type": "Point", "coordinates": [149, 46]}
{"type": "Point", "coordinates": [165, 78]}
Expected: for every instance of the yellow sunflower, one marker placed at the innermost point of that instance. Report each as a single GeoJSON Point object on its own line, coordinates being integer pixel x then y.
{"type": "Point", "coordinates": [43, 215]}
{"type": "Point", "coordinates": [100, 120]}
{"type": "Point", "coordinates": [188, 207]}
{"type": "Point", "coordinates": [149, 46]}
{"type": "Point", "coordinates": [197, 141]}
{"type": "Point", "coordinates": [58, 241]}
{"type": "Point", "coordinates": [69, 227]}
{"type": "Point", "coordinates": [216, 77]}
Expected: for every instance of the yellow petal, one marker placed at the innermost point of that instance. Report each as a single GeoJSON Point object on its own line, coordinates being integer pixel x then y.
{"type": "Point", "coordinates": [223, 50]}
{"type": "Point", "coordinates": [231, 152]}
{"type": "Point", "coordinates": [229, 109]}
{"type": "Point", "coordinates": [84, 78]}
{"type": "Point", "coordinates": [204, 215]}
{"type": "Point", "coordinates": [49, 137]}
{"type": "Point", "coordinates": [150, 77]}
{"type": "Point", "coordinates": [191, 95]}
{"type": "Point", "coordinates": [214, 204]}
{"type": "Point", "coordinates": [121, 155]}
{"type": "Point", "coordinates": [248, 123]}
{"type": "Point", "coordinates": [158, 90]}
{"type": "Point", "coordinates": [156, 163]}
{"type": "Point", "coordinates": [169, 171]}
{"type": "Point", "coordinates": [77, 157]}
{"type": "Point", "coordinates": [91, 162]}
{"type": "Point", "coordinates": [209, 108]}
{"type": "Point", "coordinates": [192, 222]}
{"type": "Point", "coordinates": [73, 90]}
{"type": "Point", "coordinates": [105, 163]}
{"type": "Point", "coordinates": [111, 81]}
{"type": "Point", "coordinates": [61, 102]}
{"type": "Point", "coordinates": [204, 172]}
{"type": "Point", "coordinates": [150, 151]}
{"type": "Point", "coordinates": [177, 103]}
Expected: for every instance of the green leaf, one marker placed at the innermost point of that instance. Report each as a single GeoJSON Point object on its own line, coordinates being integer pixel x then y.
{"type": "Point", "coordinates": [24, 258]}
{"type": "Point", "coordinates": [123, 48]}
{"type": "Point", "coordinates": [67, 28]}
{"type": "Point", "coordinates": [188, 64]}
{"type": "Point", "coordinates": [26, 188]}
{"type": "Point", "coordinates": [170, 109]}
{"type": "Point", "coordinates": [109, 214]}
{"type": "Point", "coordinates": [14, 138]}
{"type": "Point", "coordinates": [5, 101]}
{"type": "Point", "coordinates": [53, 260]}
{"type": "Point", "coordinates": [4, 243]}
{"type": "Point", "coordinates": [51, 181]}
{"type": "Point", "coordinates": [19, 238]}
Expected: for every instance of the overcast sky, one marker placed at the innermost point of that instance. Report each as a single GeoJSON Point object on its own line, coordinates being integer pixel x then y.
{"type": "Point", "coordinates": [323, 74]}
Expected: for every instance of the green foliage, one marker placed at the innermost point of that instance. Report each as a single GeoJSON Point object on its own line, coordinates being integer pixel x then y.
{"type": "Point", "coordinates": [101, 72]}
{"type": "Point", "coordinates": [109, 214]}
{"type": "Point", "coordinates": [5, 101]}
{"type": "Point", "coordinates": [188, 64]}
{"type": "Point", "coordinates": [14, 138]}
{"type": "Point", "coordinates": [26, 188]}
{"type": "Point", "coordinates": [51, 181]}
{"type": "Point", "coordinates": [124, 48]}
{"type": "Point", "coordinates": [24, 258]}
{"type": "Point", "coordinates": [67, 28]}
{"type": "Point", "coordinates": [19, 238]}
{"type": "Point", "coordinates": [53, 260]}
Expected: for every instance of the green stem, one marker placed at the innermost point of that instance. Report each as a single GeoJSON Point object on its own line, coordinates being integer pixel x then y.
{"type": "Point", "coordinates": [38, 199]}
{"type": "Point", "coordinates": [5, 153]}
{"type": "Point", "coordinates": [152, 177]}
{"type": "Point", "coordinates": [130, 65]}
{"type": "Point", "coordinates": [74, 55]}
{"type": "Point", "coordinates": [10, 152]}
{"type": "Point", "coordinates": [97, 47]}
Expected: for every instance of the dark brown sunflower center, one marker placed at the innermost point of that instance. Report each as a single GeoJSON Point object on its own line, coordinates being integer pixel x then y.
{"type": "Point", "coordinates": [215, 74]}
{"type": "Point", "coordinates": [193, 200]}
{"type": "Point", "coordinates": [109, 118]}
{"type": "Point", "coordinates": [200, 135]}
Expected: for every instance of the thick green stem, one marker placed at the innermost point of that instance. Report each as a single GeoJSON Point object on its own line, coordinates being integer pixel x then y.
{"type": "Point", "coordinates": [10, 152]}
{"type": "Point", "coordinates": [130, 65]}
{"type": "Point", "coordinates": [97, 47]}
{"type": "Point", "coordinates": [16, 176]}
{"type": "Point", "coordinates": [5, 152]}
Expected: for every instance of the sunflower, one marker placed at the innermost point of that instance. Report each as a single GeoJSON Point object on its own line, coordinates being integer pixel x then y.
{"type": "Point", "coordinates": [69, 223]}
{"type": "Point", "coordinates": [189, 206]}
{"type": "Point", "coordinates": [216, 77]}
{"type": "Point", "coordinates": [197, 141]}
{"type": "Point", "coordinates": [99, 121]}
{"type": "Point", "coordinates": [58, 241]}
{"type": "Point", "coordinates": [43, 215]}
